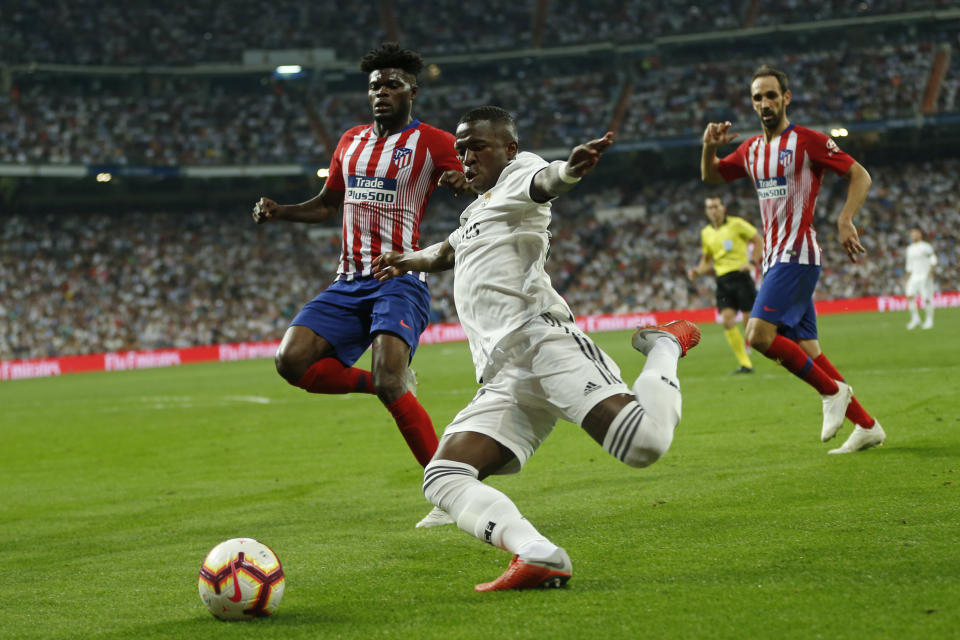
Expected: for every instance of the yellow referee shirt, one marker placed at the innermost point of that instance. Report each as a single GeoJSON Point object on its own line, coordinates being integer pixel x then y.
{"type": "Point", "coordinates": [728, 244]}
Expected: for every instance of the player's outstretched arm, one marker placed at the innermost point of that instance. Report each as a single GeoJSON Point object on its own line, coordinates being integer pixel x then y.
{"type": "Point", "coordinates": [559, 177]}
{"type": "Point", "coordinates": [436, 257]}
{"type": "Point", "coordinates": [324, 205]}
{"type": "Point", "coordinates": [714, 135]}
{"type": "Point", "coordinates": [860, 182]}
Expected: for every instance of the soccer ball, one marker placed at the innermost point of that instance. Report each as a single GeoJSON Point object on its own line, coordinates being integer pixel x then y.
{"type": "Point", "coordinates": [241, 579]}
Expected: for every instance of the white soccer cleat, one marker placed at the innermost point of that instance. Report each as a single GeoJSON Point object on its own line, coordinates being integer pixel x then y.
{"type": "Point", "coordinates": [834, 410]}
{"type": "Point", "coordinates": [862, 439]}
{"type": "Point", "coordinates": [927, 325]}
{"type": "Point", "coordinates": [913, 324]}
{"type": "Point", "coordinates": [436, 518]}
{"type": "Point", "coordinates": [410, 380]}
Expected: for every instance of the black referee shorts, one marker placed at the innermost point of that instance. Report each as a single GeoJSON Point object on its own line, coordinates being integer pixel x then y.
{"type": "Point", "coordinates": [735, 290]}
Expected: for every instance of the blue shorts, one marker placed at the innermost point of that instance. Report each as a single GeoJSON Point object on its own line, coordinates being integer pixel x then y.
{"type": "Point", "coordinates": [349, 312]}
{"type": "Point", "coordinates": [786, 299]}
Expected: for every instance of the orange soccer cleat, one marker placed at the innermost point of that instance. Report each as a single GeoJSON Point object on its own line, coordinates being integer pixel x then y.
{"type": "Point", "coordinates": [683, 332]}
{"type": "Point", "coordinates": [532, 574]}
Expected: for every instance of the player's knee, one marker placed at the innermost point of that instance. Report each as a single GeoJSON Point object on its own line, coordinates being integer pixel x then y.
{"type": "Point", "coordinates": [389, 385]}
{"type": "Point", "coordinates": [445, 480]}
{"type": "Point", "coordinates": [291, 361]}
{"type": "Point", "coordinates": [757, 338]}
{"type": "Point", "coordinates": [653, 443]}
{"type": "Point", "coordinates": [640, 435]}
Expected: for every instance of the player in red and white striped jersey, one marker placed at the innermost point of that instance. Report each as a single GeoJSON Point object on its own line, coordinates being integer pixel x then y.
{"type": "Point", "coordinates": [381, 175]}
{"type": "Point", "coordinates": [786, 164]}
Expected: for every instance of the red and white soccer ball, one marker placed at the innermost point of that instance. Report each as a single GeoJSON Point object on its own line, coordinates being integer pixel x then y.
{"type": "Point", "coordinates": [241, 579]}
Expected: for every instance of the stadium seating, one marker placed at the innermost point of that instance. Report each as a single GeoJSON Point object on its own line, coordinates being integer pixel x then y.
{"type": "Point", "coordinates": [209, 31]}
{"type": "Point", "coordinates": [86, 283]}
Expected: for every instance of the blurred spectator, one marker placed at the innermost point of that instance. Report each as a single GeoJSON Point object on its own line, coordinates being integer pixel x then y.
{"type": "Point", "coordinates": [77, 284]}
{"type": "Point", "coordinates": [97, 32]}
{"type": "Point", "coordinates": [176, 123]}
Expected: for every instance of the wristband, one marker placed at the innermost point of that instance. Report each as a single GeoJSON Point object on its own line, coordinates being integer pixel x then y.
{"type": "Point", "coordinates": [566, 176]}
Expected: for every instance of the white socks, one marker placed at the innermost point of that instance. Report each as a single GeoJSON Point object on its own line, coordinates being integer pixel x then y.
{"type": "Point", "coordinates": [657, 388]}
{"type": "Point", "coordinates": [482, 511]}
{"type": "Point", "coordinates": [643, 430]}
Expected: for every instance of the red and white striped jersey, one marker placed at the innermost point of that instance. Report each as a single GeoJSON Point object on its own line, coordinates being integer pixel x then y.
{"type": "Point", "coordinates": [388, 182]}
{"type": "Point", "coordinates": [787, 172]}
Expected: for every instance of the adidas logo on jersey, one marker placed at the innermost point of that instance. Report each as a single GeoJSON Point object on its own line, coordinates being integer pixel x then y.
{"type": "Point", "coordinates": [590, 388]}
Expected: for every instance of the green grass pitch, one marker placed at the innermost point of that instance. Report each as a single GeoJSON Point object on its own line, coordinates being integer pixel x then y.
{"type": "Point", "coordinates": [115, 485]}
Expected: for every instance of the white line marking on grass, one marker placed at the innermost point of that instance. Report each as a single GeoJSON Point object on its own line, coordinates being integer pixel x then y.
{"type": "Point", "coordinates": [253, 399]}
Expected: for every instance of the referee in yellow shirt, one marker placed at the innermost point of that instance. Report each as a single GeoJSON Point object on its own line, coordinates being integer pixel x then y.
{"type": "Point", "coordinates": [724, 247]}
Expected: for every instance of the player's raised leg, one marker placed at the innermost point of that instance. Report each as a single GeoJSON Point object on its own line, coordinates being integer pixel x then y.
{"type": "Point", "coordinates": [307, 360]}
{"type": "Point", "coordinates": [638, 430]}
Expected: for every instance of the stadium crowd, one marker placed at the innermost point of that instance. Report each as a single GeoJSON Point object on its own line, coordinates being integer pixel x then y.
{"type": "Point", "coordinates": [175, 126]}
{"type": "Point", "coordinates": [213, 31]}
{"type": "Point", "coordinates": [74, 284]}
{"type": "Point", "coordinates": [178, 122]}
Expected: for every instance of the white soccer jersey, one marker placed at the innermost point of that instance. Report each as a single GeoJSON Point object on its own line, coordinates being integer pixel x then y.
{"type": "Point", "coordinates": [920, 260]}
{"type": "Point", "coordinates": [501, 246]}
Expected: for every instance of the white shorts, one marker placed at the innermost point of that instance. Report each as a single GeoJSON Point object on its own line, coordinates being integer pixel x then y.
{"type": "Point", "coordinates": [549, 370]}
{"type": "Point", "coordinates": [922, 287]}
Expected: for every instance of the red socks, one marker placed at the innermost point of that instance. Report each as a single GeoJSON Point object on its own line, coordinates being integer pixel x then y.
{"type": "Point", "coordinates": [415, 425]}
{"type": "Point", "coordinates": [855, 412]}
{"type": "Point", "coordinates": [789, 354]}
{"type": "Point", "coordinates": [331, 376]}
{"type": "Point", "coordinates": [819, 374]}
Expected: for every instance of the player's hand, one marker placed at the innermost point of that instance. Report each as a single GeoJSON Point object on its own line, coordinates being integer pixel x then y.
{"type": "Point", "coordinates": [850, 239]}
{"type": "Point", "coordinates": [691, 274]}
{"type": "Point", "coordinates": [456, 182]}
{"type": "Point", "coordinates": [264, 210]}
{"type": "Point", "coordinates": [718, 133]}
{"type": "Point", "coordinates": [387, 265]}
{"type": "Point", "coordinates": [585, 157]}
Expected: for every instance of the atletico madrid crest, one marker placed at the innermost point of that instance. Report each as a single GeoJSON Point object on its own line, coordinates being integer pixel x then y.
{"type": "Point", "coordinates": [402, 157]}
{"type": "Point", "coordinates": [786, 157]}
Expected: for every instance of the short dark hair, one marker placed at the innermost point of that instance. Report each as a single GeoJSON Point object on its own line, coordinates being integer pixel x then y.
{"type": "Point", "coordinates": [391, 56]}
{"type": "Point", "coordinates": [492, 114]}
{"type": "Point", "coordinates": [781, 76]}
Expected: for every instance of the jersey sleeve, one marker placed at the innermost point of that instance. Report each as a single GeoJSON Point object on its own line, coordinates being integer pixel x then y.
{"type": "Point", "coordinates": [704, 244]}
{"type": "Point", "coordinates": [823, 150]}
{"type": "Point", "coordinates": [734, 166]}
{"type": "Point", "coordinates": [442, 150]}
{"type": "Point", "coordinates": [454, 237]}
{"type": "Point", "coordinates": [747, 230]}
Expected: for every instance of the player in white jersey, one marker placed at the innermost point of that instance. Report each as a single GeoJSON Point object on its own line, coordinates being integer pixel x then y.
{"type": "Point", "coordinates": [921, 259]}
{"type": "Point", "coordinates": [381, 176]}
{"type": "Point", "coordinates": [534, 364]}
